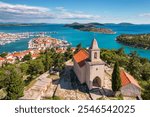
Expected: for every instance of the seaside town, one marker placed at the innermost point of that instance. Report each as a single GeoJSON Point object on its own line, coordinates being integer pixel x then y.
{"type": "Point", "coordinates": [91, 56]}
{"type": "Point", "coordinates": [36, 45]}
{"type": "Point", "coordinates": [74, 57]}
{"type": "Point", "coordinates": [84, 67]}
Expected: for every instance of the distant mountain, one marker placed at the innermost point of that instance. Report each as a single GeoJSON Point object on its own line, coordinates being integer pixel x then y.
{"type": "Point", "coordinates": [92, 24]}
{"type": "Point", "coordinates": [95, 23]}
{"type": "Point", "coordinates": [20, 24]}
{"type": "Point", "coordinates": [125, 24]}
{"type": "Point", "coordinates": [110, 24]}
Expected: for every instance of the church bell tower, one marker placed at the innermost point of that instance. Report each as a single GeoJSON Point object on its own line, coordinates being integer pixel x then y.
{"type": "Point", "coordinates": [94, 51]}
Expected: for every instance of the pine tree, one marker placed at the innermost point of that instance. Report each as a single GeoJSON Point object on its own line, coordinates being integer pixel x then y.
{"type": "Point", "coordinates": [79, 46]}
{"type": "Point", "coordinates": [15, 85]}
{"type": "Point", "coordinates": [68, 54]}
{"type": "Point", "coordinates": [27, 57]}
{"type": "Point", "coordinates": [48, 60]}
{"type": "Point", "coordinates": [116, 80]}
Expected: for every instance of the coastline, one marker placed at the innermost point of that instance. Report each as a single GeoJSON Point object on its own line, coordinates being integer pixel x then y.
{"type": "Point", "coordinates": [135, 40]}
{"type": "Point", "coordinates": [132, 45]}
{"type": "Point", "coordinates": [75, 37]}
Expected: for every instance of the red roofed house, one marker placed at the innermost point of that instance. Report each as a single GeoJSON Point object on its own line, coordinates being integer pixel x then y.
{"type": "Point", "coordinates": [2, 60]}
{"type": "Point", "coordinates": [10, 59]}
{"type": "Point", "coordinates": [130, 86]}
{"type": "Point", "coordinates": [88, 66]}
{"type": "Point", "coordinates": [19, 55]}
{"type": "Point", "coordinates": [34, 56]}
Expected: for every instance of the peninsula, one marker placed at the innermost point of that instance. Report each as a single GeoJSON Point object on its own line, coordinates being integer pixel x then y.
{"type": "Point", "coordinates": [135, 40]}
{"type": "Point", "coordinates": [91, 27]}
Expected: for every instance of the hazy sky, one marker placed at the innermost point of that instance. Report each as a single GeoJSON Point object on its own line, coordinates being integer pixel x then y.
{"type": "Point", "coordinates": [67, 11]}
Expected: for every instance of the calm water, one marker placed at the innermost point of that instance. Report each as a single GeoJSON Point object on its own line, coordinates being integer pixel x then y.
{"type": "Point", "coordinates": [75, 37]}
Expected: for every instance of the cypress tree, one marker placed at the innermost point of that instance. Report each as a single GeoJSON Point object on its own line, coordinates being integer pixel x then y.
{"type": "Point", "coordinates": [116, 80]}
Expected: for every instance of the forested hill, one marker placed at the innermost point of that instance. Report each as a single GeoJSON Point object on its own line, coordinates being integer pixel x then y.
{"type": "Point", "coordinates": [91, 27]}
{"type": "Point", "coordinates": [135, 40]}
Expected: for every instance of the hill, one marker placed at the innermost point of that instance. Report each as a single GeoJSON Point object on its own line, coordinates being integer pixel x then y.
{"type": "Point", "coordinates": [91, 27]}
{"type": "Point", "coordinates": [125, 24]}
{"type": "Point", "coordinates": [138, 40]}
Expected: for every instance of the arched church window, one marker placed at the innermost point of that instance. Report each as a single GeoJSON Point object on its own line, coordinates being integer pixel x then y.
{"type": "Point", "coordinates": [95, 55]}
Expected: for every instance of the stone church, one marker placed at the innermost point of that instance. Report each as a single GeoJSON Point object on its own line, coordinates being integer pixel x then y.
{"type": "Point", "coordinates": [89, 67]}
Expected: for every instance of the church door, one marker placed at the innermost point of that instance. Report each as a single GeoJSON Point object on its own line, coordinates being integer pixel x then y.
{"type": "Point", "coordinates": [97, 82]}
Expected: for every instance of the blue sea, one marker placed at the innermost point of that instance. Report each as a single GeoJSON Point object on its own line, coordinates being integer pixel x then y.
{"type": "Point", "coordinates": [75, 36]}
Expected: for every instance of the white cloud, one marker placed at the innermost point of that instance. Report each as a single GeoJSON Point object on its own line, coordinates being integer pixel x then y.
{"type": "Point", "coordinates": [10, 12]}
{"type": "Point", "coordinates": [145, 15]}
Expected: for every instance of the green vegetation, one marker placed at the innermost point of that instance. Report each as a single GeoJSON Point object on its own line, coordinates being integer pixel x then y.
{"type": "Point", "coordinates": [27, 57]}
{"type": "Point", "coordinates": [53, 98]}
{"type": "Point", "coordinates": [92, 27]}
{"type": "Point", "coordinates": [68, 54]}
{"type": "Point", "coordinates": [3, 54]}
{"type": "Point", "coordinates": [14, 77]}
{"type": "Point", "coordinates": [101, 98]}
{"type": "Point", "coordinates": [3, 93]}
{"type": "Point", "coordinates": [15, 85]}
{"type": "Point", "coordinates": [138, 40]}
{"type": "Point", "coordinates": [116, 80]}
{"type": "Point", "coordinates": [79, 46]}
{"type": "Point", "coordinates": [136, 66]}
{"type": "Point", "coordinates": [11, 80]}
{"type": "Point", "coordinates": [120, 97]}
{"type": "Point", "coordinates": [35, 67]}
{"type": "Point", "coordinates": [146, 92]}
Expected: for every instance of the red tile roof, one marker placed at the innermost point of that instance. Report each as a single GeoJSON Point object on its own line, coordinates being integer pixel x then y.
{"type": "Point", "coordinates": [127, 79]}
{"type": "Point", "coordinates": [10, 59]}
{"type": "Point", "coordinates": [35, 55]}
{"type": "Point", "coordinates": [73, 49]}
{"type": "Point", "coordinates": [81, 56]}
{"type": "Point", "coordinates": [2, 59]}
{"type": "Point", "coordinates": [59, 50]}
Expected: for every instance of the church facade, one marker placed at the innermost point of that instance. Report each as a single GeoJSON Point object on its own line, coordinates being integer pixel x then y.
{"type": "Point", "coordinates": [88, 66]}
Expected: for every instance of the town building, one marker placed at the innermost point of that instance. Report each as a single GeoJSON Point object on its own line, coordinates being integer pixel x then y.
{"type": "Point", "coordinates": [130, 87]}
{"type": "Point", "coordinates": [88, 66]}
{"type": "Point", "coordinates": [2, 60]}
{"type": "Point", "coordinates": [45, 42]}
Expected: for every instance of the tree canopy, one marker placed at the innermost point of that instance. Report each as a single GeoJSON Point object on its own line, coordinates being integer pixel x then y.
{"type": "Point", "coordinates": [116, 80]}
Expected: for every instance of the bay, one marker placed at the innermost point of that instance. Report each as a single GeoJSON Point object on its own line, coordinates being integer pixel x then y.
{"type": "Point", "coordinates": [75, 36]}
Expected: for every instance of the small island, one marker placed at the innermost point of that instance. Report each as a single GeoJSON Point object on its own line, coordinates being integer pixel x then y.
{"type": "Point", "coordinates": [125, 24]}
{"type": "Point", "coordinates": [91, 27]}
{"type": "Point", "coordinates": [135, 40]}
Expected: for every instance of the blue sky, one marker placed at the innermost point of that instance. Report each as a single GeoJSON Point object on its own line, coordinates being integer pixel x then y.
{"type": "Point", "coordinates": [68, 11]}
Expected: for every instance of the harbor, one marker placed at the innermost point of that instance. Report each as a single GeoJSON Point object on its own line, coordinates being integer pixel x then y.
{"type": "Point", "coordinates": [6, 38]}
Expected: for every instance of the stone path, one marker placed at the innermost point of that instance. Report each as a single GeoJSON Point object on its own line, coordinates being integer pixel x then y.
{"type": "Point", "coordinates": [68, 87]}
